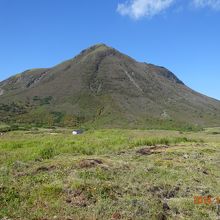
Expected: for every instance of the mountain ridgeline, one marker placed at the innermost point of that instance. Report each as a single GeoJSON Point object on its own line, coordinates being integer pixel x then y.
{"type": "Point", "coordinates": [104, 88]}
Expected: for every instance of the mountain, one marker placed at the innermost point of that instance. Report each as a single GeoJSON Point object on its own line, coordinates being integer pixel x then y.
{"type": "Point", "coordinates": [102, 87]}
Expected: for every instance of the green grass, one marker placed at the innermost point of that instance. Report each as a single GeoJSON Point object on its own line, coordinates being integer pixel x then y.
{"type": "Point", "coordinates": [43, 175]}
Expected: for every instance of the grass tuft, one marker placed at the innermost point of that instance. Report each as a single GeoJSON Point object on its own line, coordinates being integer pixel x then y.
{"type": "Point", "coordinates": [47, 153]}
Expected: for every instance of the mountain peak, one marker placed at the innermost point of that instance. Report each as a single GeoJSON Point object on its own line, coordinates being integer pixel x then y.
{"type": "Point", "coordinates": [96, 47]}
{"type": "Point", "coordinates": [99, 51]}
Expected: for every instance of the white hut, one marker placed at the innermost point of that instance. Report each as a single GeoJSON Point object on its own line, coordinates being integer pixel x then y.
{"type": "Point", "coordinates": [76, 132]}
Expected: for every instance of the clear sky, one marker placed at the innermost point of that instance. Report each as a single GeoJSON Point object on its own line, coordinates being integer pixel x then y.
{"type": "Point", "coordinates": [183, 36]}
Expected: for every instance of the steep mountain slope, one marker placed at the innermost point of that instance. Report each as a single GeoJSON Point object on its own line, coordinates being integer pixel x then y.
{"type": "Point", "coordinates": [105, 88]}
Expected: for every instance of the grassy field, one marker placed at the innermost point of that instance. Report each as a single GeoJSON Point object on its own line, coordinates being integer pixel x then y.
{"type": "Point", "coordinates": [109, 174]}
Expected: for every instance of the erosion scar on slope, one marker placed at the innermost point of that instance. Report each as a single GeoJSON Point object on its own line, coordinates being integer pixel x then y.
{"type": "Point", "coordinates": [1, 92]}
{"type": "Point", "coordinates": [132, 80]}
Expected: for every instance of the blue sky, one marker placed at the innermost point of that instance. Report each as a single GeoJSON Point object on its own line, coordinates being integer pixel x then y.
{"type": "Point", "coordinates": [183, 36]}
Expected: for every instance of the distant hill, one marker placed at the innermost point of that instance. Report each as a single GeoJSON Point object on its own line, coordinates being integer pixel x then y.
{"type": "Point", "coordinates": [102, 87]}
